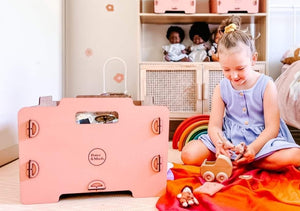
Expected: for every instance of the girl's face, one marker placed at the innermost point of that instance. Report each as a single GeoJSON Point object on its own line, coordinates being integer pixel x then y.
{"type": "Point", "coordinates": [237, 64]}
{"type": "Point", "coordinates": [174, 38]}
{"type": "Point", "coordinates": [197, 40]}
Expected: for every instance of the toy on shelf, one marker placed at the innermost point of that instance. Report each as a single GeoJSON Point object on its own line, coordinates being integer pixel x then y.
{"type": "Point", "coordinates": [221, 169]}
{"type": "Point", "coordinates": [234, 6]}
{"type": "Point", "coordinates": [215, 37]}
{"type": "Point", "coordinates": [199, 34]}
{"type": "Point", "coordinates": [171, 6]}
{"type": "Point", "coordinates": [175, 50]}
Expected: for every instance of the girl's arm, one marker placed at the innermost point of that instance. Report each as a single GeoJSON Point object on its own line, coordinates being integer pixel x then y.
{"type": "Point", "coordinates": [216, 121]}
{"type": "Point", "coordinates": [272, 124]}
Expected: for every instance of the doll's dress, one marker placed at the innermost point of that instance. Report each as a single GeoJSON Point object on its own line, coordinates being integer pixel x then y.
{"type": "Point", "coordinates": [244, 118]}
{"type": "Point", "coordinates": [175, 51]}
{"type": "Point", "coordinates": [198, 53]}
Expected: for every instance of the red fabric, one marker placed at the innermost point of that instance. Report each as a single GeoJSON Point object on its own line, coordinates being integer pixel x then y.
{"type": "Point", "coordinates": [267, 190]}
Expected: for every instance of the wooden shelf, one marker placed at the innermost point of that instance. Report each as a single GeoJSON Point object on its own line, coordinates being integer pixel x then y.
{"type": "Point", "coordinates": [205, 75]}
{"type": "Point", "coordinates": [152, 18]}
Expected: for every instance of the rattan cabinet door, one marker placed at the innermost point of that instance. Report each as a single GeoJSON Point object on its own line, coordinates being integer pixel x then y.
{"type": "Point", "coordinates": [177, 86]}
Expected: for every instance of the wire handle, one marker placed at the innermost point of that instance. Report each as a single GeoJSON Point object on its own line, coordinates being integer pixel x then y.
{"type": "Point", "coordinates": [125, 72]}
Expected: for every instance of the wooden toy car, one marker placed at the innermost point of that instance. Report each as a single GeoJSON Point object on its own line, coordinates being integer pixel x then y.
{"type": "Point", "coordinates": [221, 169]}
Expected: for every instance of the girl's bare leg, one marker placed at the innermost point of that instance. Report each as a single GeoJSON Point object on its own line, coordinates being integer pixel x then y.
{"type": "Point", "coordinates": [280, 159]}
{"type": "Point", "coordinates": [195, 152]}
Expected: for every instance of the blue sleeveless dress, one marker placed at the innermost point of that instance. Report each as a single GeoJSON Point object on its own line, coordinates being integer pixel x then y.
{"type": "Point", "coordinates": [244, 118]}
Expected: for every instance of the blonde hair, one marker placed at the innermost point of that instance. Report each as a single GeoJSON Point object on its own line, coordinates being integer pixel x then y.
{"type": "Point", "coordinates": [233, 36]}
{"type": "Point", "coordinates": [232, 19]}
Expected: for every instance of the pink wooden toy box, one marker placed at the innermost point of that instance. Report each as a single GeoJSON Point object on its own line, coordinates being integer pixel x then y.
{"type": "Point", "coordinates": [232, 6]}
{"type": "Point", "coordinates": [58, 155]}
{"type": "Point", "coordinates": [184, 6]}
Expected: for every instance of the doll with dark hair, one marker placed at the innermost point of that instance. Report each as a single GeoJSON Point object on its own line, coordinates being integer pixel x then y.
{"type": "Point", "coordinates": [215, 37]}
{"type": "Point", "coordinates": [199, 35]}
{"type": "Point", "coordinates": [175, 51]}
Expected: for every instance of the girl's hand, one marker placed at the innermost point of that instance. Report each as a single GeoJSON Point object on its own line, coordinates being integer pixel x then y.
{"type": "Point", "coordinates": [248, 157]}
{"type": "Point", "coordinates": [224, 148]}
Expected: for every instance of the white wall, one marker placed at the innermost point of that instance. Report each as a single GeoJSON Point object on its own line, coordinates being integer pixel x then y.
{"type": "Point", "coordinates": [30, 59]}
{"type": "Point", "coordinates": [283, 32]}
{"type": "Point", "coordinates": [90, 25]}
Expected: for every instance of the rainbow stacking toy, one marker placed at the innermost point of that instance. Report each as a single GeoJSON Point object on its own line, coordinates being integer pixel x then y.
{"type": "Point", "coordinates": [190, 129]}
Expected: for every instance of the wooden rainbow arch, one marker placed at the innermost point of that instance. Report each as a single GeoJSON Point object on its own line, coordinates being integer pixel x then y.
{"type": "Point", "coordinates": [190, 129]}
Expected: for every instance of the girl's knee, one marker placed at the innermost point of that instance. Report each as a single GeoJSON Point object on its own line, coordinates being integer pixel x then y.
{"type": "Point", "coordinates": [188, 157]}
{"type": "Point", "coordinates": [194, 153]}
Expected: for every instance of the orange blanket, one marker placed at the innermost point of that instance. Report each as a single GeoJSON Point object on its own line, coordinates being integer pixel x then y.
{"type": "Point", "coordinates": [267, 190]}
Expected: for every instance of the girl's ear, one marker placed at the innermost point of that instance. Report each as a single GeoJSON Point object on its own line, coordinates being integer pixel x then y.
{"type": "Point", "coordinates": [254, 58]}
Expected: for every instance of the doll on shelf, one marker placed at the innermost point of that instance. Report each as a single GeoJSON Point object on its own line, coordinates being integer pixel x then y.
{"type": "Point", "coordinates": [212, 53]}
{"type": "Point", "coordinates": [199, 35]}
{"type": "Point", "coordinates": [175, 51]}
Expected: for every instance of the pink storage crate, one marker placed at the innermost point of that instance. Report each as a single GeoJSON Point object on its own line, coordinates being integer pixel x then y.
{"type": "Point", "coordinates": [165, 6]}
{"type": "Point", "coordinates": [91, 144]}
{"type": "Point", "coordinates": [234, 6]}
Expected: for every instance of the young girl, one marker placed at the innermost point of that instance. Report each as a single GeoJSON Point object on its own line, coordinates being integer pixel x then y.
{"type": "Point", "coordinates": [175, 51]}
{"type": "Point", "coordinates": [244, 109]}
{"type": "Point", "coordinates": [199, 35]}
